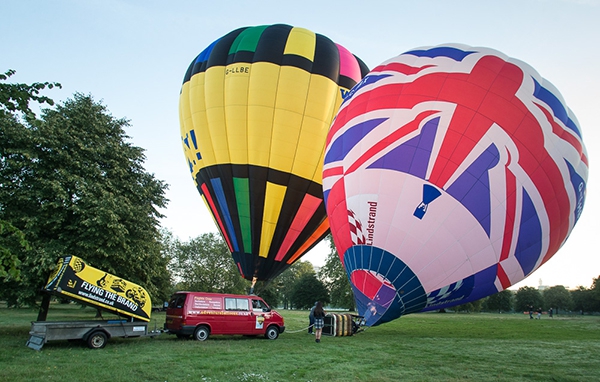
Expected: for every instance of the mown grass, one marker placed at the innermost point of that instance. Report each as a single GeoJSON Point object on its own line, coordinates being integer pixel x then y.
{"type": "Point", "coordinates": [418, 347]}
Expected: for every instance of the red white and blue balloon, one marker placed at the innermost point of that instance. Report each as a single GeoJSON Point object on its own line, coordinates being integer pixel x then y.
{"type": "Point", "coordinates": [450, 174]}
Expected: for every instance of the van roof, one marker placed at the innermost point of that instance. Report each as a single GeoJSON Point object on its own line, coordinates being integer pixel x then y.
{"type": "Point", "coordinates": [217, 294]}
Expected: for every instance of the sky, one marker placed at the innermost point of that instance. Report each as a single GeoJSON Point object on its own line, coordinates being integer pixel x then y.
{"type": "Point", "coordinates": [132, 56]}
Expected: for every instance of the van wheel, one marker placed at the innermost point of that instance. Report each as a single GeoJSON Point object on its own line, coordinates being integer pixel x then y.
{"type": "Point", "coordinates": [201, 333]}
{"type": "Point", "coordinates": [272, 332]}
{"type": "Point", "coordinates": [97, 340]}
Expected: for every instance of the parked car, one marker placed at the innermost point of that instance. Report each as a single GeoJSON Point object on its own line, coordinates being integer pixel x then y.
{"type": "Point", "coordinates": [201, 314]}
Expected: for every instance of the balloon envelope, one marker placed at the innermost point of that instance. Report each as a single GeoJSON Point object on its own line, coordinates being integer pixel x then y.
{"type": "Point", "coordinates": [255, 108]}
{"type": "Point", "coordinates": [450, 174]}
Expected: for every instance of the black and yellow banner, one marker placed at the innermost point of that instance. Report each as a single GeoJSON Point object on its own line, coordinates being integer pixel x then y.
{"type": "Point", "coordinates": [75, 279]}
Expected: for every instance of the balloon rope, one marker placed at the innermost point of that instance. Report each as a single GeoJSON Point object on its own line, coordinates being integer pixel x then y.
{"type": "Point", "coordinates": [361, 329]}
{"type": "Point", "coordinates": [299, 330]}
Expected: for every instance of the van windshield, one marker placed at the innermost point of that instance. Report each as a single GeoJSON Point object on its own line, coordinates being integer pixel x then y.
{"type": "Point", "coordinates": [259, 305]}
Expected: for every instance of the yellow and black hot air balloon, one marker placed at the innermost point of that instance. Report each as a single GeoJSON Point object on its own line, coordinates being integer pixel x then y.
{"type": "Point", "coordinates": [255, 109]}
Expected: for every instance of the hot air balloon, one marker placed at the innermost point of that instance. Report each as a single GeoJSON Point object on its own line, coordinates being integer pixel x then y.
{"type": "Point", "coordinates": [450, 174]}
{"type": "Point", "coordinates": [255, 108]}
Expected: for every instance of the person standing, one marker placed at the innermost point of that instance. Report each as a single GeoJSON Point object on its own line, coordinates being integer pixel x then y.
{"type": "Point", "coordinates": [319, 314]}
{"type": "Point", "coordinates": [311, 318]}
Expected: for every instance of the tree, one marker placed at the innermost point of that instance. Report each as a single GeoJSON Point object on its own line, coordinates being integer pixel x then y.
{"type": "Point", "coordinates": [285, 282]}
{"type": "Point", "coordinates": [14, 104]}
{"type": "Point", "coordinates": [270, 293]}
{"type": "Point", "coordinates": [528, 296]}
{"type": "Point", "coordinates": [279, 290]}
{"type": "Point", "coordinates": [595, 295]}
{"type": "Point", "coordinates": [469, 307]}
{"type": "Point", "coordinates": [15, 98]}
{"type": "Point", "coordinates": [204, 264]}
{"type": "Point", "coordinates": [558, 297]}
{"type": "Point", "coordinates": [336, 280]}
{"type": "Point", "coordinates": [587, 299]}
{"type": "Point", "coordinates": [500, 302]}
{"type": "Point", "coordinates": [307, 290]}
{"type": "Point", "coordinates": [582, 299]}
{"type": "Point", "coordinates": [12, 241]}
{"type": "Point", "coordinates": [73, 186]}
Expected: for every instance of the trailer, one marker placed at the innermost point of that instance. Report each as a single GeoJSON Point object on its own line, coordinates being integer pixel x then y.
{"type": "Point", "coordinates": [75, 280]}
{"type": "Point", "coordinates": [94, 333]}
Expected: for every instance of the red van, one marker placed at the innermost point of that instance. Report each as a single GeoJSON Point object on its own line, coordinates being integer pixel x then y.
{"type": "Point", "coordinates": [202, 314]}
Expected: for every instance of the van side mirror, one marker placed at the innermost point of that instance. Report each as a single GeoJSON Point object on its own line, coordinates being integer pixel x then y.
{"type": "Point", "coordinates": [266, 309]}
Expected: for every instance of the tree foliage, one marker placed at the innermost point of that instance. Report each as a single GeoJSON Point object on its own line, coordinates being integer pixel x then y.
{"type": "Point", "coordinates": [558, 298]}
{"type": "Point", "coordinates": [336, 280]}
{"type": "Point", "coordinates": [12, 240]}
{"type": "Point", "coordinates": [595, 294]}
{"type": "Point", "coordinates": [14, 103]}
{"type": "Point", "coordinates": [470, 307]}
{"type": "Point", "coordinates": [284, 284]}
{"type": "Point", "coordinates": [278, 292]}
{"type": "Point", "coordinates": [15, 98]}
{"type": "Point", "coordinates": [587, 300]}
{"type": "Point", "coordinates": [270, 293]}
{"type": "Point", "coordinates": [500, 302]}
{"type": "Point", "coordinates": [528, 296]}
{"type": "Point", "coordinates": [307, 290]}
{"type": "Point", "coordinates": [204, 264]}
{"type": "Point", "coordinates": [582, 299]}
{"type": "Point", "coordinates": [73, 185]}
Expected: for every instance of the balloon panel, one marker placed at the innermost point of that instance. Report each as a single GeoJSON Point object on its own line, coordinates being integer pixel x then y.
{"type": "Point", "coordinates": [255, 108]}
{"type": "Point", "coordinates": [451, 173]}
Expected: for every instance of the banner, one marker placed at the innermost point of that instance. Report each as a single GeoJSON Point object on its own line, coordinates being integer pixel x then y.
{"type": "Point", "coordinates": [74, 279]}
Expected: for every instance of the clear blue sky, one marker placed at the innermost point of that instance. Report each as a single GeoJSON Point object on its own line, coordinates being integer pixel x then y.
{"type": "Point", "coordinates": [132, 55]}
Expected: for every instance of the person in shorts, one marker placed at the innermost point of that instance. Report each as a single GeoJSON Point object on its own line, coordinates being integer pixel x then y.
{"type": "Point", "coordinates": [319, 321]}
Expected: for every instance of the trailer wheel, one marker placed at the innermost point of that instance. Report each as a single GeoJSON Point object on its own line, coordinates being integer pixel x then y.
{"type": "Point", "coordinates": [201, 333]}
{"type": "Point", "coordinates": [272, 332]}
{"type": "Point", "coordinates": [97, 340]}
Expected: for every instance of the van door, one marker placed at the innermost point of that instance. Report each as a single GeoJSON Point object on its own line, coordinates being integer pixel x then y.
{"type": "Point", "coordinates": [237, 315]}
{"type": "Point", "coordinates": [175, 314]}
{"type": "Point", "coordinates": [259, 308]}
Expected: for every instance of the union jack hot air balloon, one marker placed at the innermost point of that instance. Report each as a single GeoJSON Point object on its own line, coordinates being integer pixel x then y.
{"type": "Point", "coordinates": [450, 173]}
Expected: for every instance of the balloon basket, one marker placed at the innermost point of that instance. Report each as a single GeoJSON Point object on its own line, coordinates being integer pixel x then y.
{"type": "Point", "coordinates": [339, 325]}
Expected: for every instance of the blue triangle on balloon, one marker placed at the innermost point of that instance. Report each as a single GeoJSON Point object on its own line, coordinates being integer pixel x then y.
{"type": "Point", "coordinates": [430, 193]}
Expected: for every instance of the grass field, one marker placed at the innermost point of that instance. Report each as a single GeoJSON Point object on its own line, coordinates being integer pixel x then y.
{"type": "Point", "coordinates": [418, 347]}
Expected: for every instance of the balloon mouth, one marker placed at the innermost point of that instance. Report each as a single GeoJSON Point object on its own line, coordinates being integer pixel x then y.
{"type": "Point", "coordinates": [375, 289]}
{"type": "Point", "coordinates": [374, 286]}
{"type": "Point", "coordinates": [384, 287]}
